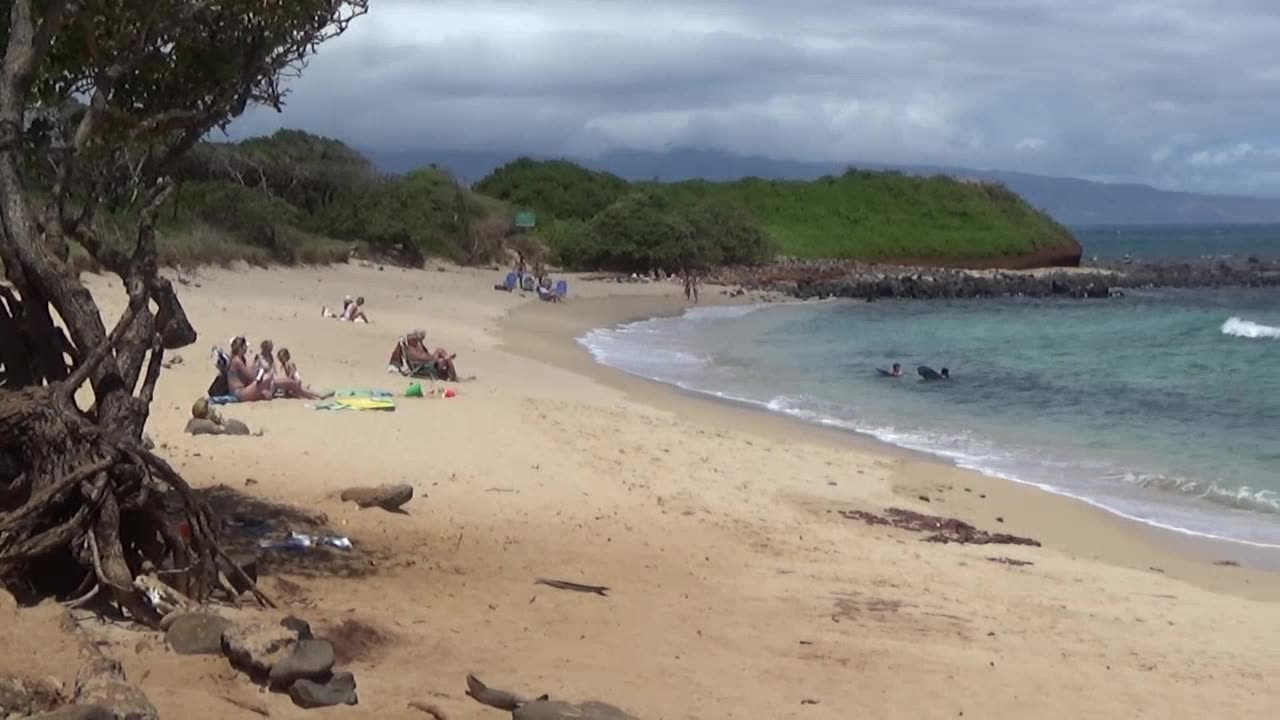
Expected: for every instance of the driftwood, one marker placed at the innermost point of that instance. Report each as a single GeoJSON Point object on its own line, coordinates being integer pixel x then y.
{"type": "Point", "coordinates": [941, 529]}
{"type": "Point", "coordinates": [600, 590]}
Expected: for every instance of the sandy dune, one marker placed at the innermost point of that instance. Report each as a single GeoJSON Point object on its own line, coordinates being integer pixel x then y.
{"type": "Point", "coordinates": [737, 590]}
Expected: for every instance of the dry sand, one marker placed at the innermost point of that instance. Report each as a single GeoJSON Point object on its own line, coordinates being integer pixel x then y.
{"type": "Point", "coordinates": [737, 590]}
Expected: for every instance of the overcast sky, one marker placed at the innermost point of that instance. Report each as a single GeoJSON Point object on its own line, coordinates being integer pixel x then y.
{"type": "Point", "coordinates": [1182, 94]}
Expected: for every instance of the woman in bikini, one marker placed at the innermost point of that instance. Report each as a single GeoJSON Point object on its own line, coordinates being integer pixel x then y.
{"type": "Point", "coordinates": [243, 380]}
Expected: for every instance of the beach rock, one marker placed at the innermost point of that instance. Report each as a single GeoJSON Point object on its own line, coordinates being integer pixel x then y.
{"type": "Point", "coordinates": [339, 690]}
{"type": "Point", "coordinates": [101, 681]}
{"type": "Point", "coordinates": [197, 634]}
{"type": "Point", "coordinates": [256, 647]}
{"type": "Point", "coordinates": [199, 426]}
{"type": "Point", "coordinates": [557, 710]}
{"type": "Point", "coordinates": [77, 712]}
{"type": "Point", "coordinates": [24, 696]}
{"type": "Point", "coordinates": [387, 497]}
{"type": "Point", "coordinates": [310, 660]}
{"type": "Point", "coordinates": [299, 626]}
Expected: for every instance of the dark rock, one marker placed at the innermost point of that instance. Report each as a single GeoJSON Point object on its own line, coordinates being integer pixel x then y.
{"type": "Point", "coordinates": [299, 626]}
{"type": "Point", "coordinates": [78, 712]}
{"type": "Point", "coordinates": [339, 690]}
{"type": "Point", "coordinates": [197, 634]}
{"type": "Point", "coordinates": [387, 497]}
{"type": "Point", "coordinates": [24, 696]}
{"type": "Point", "coordinates": [557, 710]}
{"type": "Point", "coordinates": [257, 647]}
{"type": "Point", "coordinates": [310, 660]}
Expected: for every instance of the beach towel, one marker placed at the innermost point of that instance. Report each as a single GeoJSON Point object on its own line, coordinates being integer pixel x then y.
{"type": "Point", "coordinates": [363, 392]}
{"type": "Point", "coordinates": [356, 403]}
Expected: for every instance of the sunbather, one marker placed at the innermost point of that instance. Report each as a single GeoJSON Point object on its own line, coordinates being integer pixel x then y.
{"type": "Point", "coordinates": [411, 357]}
{"type": "Point", "coordinates": [242, 381]}
{"type": "Point", "coordinates": [352, 311]}
{"type": "Point", "coordinates": [278, 380]}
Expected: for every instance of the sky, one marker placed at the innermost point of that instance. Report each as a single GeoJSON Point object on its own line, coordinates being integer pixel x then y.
{"type": "Point", "coordinates": [1180, 94]}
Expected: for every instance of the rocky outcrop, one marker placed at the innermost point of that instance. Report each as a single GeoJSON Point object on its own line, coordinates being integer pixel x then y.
{"type": "Point", "coordinates": [838, 279]}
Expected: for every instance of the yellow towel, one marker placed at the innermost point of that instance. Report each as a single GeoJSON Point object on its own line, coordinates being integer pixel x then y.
{"type": "Point", "coordinates": [366, 403]}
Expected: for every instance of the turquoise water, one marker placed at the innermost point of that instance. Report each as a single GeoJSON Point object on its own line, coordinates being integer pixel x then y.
{"type": "Point", "coordinates": [1185, 242]}
{"type": "Point", "coordinates": [1163, 406]}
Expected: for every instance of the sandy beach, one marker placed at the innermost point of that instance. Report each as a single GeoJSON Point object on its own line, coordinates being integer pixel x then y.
{"type": "Point", "coordinates": [737, 588]}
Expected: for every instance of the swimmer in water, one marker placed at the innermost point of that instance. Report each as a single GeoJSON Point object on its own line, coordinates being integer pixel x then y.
{"type": "Point", "coordinates": [896, 370]}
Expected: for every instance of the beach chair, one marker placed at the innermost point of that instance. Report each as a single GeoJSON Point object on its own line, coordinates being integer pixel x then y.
{"type": "Point", "coordinates": [562, 288]}
{"type": "Point", "coordinates": [510, 284]}
{"type": "Point", "coordinates": [529, 283]}
{"type": "Point", "coordinates": [425, 371]}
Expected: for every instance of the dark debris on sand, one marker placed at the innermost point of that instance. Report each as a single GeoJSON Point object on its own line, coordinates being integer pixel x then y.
{"type": "Point", "coordinates": [943, 530]}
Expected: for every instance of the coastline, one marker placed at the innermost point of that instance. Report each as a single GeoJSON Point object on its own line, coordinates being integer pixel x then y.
{"type": "Point", "coordinates": [1073, 525]}
{"type": "Point", "coordinates": [736, 587]}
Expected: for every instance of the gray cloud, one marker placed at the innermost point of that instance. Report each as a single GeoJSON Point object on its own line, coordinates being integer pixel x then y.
{"type": "Point", "coordinates": [1181, 93]}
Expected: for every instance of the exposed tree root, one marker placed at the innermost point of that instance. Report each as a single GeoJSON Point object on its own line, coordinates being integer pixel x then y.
{"type": "Point", "coordinates": [97, 510]}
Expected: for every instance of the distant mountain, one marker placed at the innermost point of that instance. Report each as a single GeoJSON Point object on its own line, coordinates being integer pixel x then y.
{"type": "Point", "coordinates": [1069, 200]}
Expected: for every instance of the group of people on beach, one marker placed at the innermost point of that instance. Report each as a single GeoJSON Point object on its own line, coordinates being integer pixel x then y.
{"type": "Point", "coordinates": [270, 375]}
{"type": "Point", "coordinates": [273, 374]}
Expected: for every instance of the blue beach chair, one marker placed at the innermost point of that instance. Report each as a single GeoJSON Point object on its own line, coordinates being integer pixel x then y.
{"type": "Point", "coordinates": [562, 288]}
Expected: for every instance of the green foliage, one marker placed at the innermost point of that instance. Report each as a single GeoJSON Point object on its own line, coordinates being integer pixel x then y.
{"type": "Point", "coordinates": [639, 232]}
{"type": "Point", "coordinates": [883, 215]}
{"type": "Point", "coordinates": [555, 189]}
{"type": "Point", "coordinates": [295, 197]}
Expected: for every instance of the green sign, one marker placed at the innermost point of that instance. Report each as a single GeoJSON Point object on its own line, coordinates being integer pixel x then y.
{"type": "Point", "coordinates": [525, 219]}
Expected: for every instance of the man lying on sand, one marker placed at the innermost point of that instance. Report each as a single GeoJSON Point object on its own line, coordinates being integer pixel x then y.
{"type": "Point", "coordinates": [411, 356]}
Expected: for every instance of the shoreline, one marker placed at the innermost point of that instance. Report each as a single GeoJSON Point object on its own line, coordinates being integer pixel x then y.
{"type": "Point", "coordinates": [1075, 525]}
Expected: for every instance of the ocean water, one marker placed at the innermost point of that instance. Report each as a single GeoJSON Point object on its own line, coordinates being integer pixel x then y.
{"type": "Point", "coordinates": [1162, 406]}
{"type": "Point", "coordinates": [1185, 242]}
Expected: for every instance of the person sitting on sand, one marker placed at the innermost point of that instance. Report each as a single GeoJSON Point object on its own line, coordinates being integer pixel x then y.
{"type": "Point", "coordinates": [279, 381]}
{"type": "Point", "coordinates": [243, 381]}
{"type": "Point", "coordinates": [411, 354]}
{"type": "Point", "coordinates": [288, 366]}
{"type": "Point", "coordinates": [351, 311]}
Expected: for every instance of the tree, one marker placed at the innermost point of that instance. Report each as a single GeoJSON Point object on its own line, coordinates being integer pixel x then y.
{"type": "Point", "coordinates": [732, 236]}
{"type": "Point", "coordinates": [99, 101]}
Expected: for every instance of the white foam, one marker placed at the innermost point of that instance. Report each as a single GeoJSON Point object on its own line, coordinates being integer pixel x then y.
{"type": "Point", "coordinates": [1248, 329]}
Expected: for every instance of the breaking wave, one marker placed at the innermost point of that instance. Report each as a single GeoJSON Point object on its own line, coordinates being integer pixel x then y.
{"type": "Point", "coordinates": [1248, 329]}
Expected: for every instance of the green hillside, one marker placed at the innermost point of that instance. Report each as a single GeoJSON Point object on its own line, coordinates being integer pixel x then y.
{"type": "Point", "coordinates": [860, 215]}
{"type": "Point", "coordinates": [885, 215]}
{"type": "Point", "coordinates": [299, 198]}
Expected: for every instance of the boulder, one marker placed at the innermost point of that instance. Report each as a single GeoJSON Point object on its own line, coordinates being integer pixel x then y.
{"type": "Point", "coordinates": [557, 710]}
{"type": "Point", "coordinates": [256, 647]}
{"type": "Point", "coordinates": [339, 690]}
{"type": "Point", "coordinates": [202, 426]}
{"type": "Point", "coordinates": [101, 682]}
{"type": "Point", "coordinates": [24, 696]}
{"type": "Point", "coordinates": [387, 497]}
{"type": "Point", "coordinates": [77, 712]}
{"type": "Point", "coordinates": [197, 634]}
{"type": "Point", "coordinates": [310, 660]}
